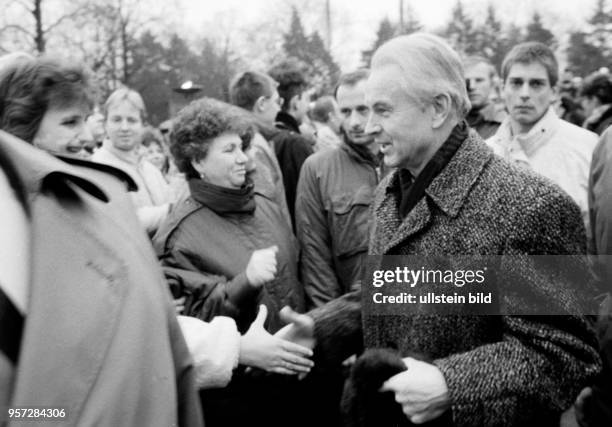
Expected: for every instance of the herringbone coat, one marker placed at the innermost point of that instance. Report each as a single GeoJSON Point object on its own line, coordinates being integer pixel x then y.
{"type": "Point", "coordinates": [500, 370]}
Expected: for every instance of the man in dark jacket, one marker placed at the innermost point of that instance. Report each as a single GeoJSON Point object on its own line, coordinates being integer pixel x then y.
{"type": "Point", "coordinates": [451, 196]}
{"type": "Point", "coordinates": [257, 92]}
{"type": "Point", "coordinates": [290, 146]}
{"type": "Point", "coordinates": [484, 116]}
{"type": "Point", "coordinates": [596, 100]}
{"type": "Point", "coordinates": [334, 194]}
{"type": "Point", "coordinates": [594, 405]}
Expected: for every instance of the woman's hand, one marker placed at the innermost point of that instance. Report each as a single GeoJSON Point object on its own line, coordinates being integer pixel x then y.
{"type": "Point", "coordinates": [262, 266]}
{"type": "Point", "coordinates": [260, 349]}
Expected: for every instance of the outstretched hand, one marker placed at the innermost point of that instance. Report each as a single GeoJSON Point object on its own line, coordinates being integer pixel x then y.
{"type": "Point", "coordinates": [260, 349]}
{"type": "Point", "coordinates": [300, 328]}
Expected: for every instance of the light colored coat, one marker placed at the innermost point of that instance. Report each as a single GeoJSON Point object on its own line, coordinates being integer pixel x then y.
{"type": "Point", "coordinates": [153, 196]}
{"type": "Point", "coordinates": [101, 338]}
{"type": "Point", "coordinates": [554, 148]}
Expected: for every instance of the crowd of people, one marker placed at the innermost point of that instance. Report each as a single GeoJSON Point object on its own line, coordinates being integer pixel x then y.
{"type": "Point", "coordinates": [210, 270]}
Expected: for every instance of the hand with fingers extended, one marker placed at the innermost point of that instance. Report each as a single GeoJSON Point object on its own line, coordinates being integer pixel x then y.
{"type": "Point", "coordinates": [299, 328]}
{"type": "Point", "coordinates": [421, 390]}
{"type": "Point", "coordinates": [260, 349]}
{"type": "Point", "coordinates": [262, 266]}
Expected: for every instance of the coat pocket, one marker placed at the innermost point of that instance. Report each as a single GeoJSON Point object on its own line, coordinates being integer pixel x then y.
{"type": "Point", "coordinates": [351, 220]}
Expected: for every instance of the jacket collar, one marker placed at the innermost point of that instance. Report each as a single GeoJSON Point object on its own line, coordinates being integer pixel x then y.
{"type": "Point", "coordinates": [37, 169]}
{"type": "Point", "coordinates": [287, 122]}
{"type": "Point", "coordinates": [359, 153]}
{"type": "Point", "coordinates": [539, 134]}
{"type": "Point", "coordinates": [491, 114]}
{"type": "Point", "coordinates": [451, 187]}
{"type": "Point", "coordinates": [601, 113]}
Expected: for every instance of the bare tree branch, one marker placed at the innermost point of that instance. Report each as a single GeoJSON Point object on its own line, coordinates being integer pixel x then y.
{"type": "Point", "coordinates": [16, 27]}
{"type": "Point", "coordinates": [76, 13]}
{"type": "Point", "coordinates": [27, 6]}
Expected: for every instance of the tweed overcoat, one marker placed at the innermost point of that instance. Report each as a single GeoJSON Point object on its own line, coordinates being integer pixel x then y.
{"type": "Point", "coordinates": [500, 370]}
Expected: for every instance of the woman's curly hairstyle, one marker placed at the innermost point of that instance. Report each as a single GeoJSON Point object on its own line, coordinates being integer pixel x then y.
{"type": "Point", "coordinates": [198, 124]}
{"type": "Point", "coordinates": [29, 87]}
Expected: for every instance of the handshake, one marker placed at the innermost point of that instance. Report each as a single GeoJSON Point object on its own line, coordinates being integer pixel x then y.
{"type": "Point", "coordinates": [286, 352]}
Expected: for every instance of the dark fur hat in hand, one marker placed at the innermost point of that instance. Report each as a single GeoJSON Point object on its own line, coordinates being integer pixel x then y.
{"type": "Point", "coordinates": [363, 405]}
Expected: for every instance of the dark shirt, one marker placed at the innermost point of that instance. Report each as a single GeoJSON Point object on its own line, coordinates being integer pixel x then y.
{"type": "Point", "coordinates": [291, 150]}
{"type": "Point", "coordinates": [485, 121]}
{"type": "Point", "coordinates": [411, 189]}
{"type": "Point", "coordinates": [286, 121]}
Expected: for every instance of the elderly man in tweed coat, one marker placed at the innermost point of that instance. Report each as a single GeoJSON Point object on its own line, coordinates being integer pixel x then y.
{"type": "Point", "coordinates": [450, 195]}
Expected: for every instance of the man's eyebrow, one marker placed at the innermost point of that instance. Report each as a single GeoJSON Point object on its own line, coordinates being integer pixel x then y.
{"type": "Point", "coordinates": [379, 104]}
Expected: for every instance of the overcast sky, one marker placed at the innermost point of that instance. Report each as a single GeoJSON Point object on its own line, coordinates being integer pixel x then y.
{"type": "Point", "coordinates": [355, 21]}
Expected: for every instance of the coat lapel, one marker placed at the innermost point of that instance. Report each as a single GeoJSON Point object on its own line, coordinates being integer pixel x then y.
{"type": "Point", "coordinates": [448, 191]}
{"type": "Point", "coordinates": [415, 221]}
{"type": "Point", "coordinates": [390, 230]}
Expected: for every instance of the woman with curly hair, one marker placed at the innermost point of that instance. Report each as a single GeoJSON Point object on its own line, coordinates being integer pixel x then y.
{"type": "Point", "coordinates": [227, 248]}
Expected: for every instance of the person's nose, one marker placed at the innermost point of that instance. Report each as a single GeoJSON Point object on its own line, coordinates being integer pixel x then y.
{"type": "Point", "coordinates": [524, 91]}
{"type": "Point", "coordinates": [355, 121]}
{"type": "Point", "coordinates": [373, 126]}
{"type": "Point", "coordinates": [242, 157]}
{"type": "Point", "coordinates": [85, 134]}
{"type": "Point", "coordinates": [124, 125]}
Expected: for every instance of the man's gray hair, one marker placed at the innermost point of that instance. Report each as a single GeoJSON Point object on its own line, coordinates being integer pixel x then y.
{"type": "Point", "coordinates": [430, 68]}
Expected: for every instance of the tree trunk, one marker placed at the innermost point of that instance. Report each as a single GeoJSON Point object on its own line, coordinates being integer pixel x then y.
{"type": "Point", "coordinates": [39, 37]}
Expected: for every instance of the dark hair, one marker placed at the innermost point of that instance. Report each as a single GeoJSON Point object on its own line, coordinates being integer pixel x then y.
{"type": "Point", "coordinates": [151, 136]}
{"type": "Point", "coordinates": [248, 87]}
{"type": "Point", "coordinates": [351, 79]}
{"type": "Point", "coordinates": [598, 85]}
{"type": "Point", "coordinates": [528, 53]}
{"type": "Point", "coordinates": [29, 87]}
{"type": "Point", "coordinates": [200, 122]}
{"type": "Point", "coordinates": [291, 81]}
{"type": "Point", "coordinates": [323, 106]}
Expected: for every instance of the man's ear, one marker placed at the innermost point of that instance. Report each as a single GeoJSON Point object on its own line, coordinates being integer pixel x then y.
{"type": "Point", "coordinates": [293, 102]}
{"type": "Point", "coordinates": [555, 95]}
{"type": "Point", "coordinates": [259, 104]}
{"type": "Point", "coordinates": [442, 105]}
